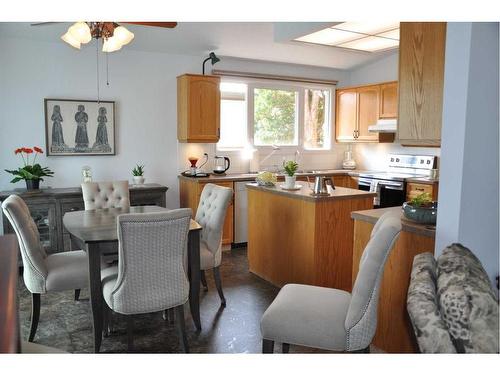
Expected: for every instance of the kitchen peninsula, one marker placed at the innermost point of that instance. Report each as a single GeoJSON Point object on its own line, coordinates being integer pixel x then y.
{"type": "Point", "coordinates": [294, 237]}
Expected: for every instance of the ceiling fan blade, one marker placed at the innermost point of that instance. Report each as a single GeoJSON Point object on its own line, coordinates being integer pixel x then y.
{"type": "Point", "coordinates": [44, 23]}
{"type": "Point", "coordinates": [168, 25]}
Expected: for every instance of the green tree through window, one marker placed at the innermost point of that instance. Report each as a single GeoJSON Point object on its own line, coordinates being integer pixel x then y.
{"type": "Point", "coordinates": [275, 117]}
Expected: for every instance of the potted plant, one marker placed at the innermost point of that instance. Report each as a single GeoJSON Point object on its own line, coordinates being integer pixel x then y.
{"type": "Point", "coordinates": [31, 172]}
{"type": "Point", "coordinates": [290, 168]}
{"type": "Point", "coordinates": [421, 209]}
{"type": "Point", "coordinates": [138, 174]}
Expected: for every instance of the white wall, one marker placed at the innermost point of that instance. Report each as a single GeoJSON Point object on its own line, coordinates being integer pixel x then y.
{"type": "Point", "coordinates": [468, 191]}
{"type": "Point", "coordinates": [143, 85]}
{"type": "Point", "coordinates": [382, 70]}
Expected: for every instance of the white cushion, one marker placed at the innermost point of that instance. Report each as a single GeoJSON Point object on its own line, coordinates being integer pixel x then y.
{"type": "Point", "coordinates": [309, 316]}
{"type": "Point", "coordinates": [209, 260]}
{"type": "Point", "coordinates": [109, 194]}
{"type": "Point", "coordinates": [67, 270]}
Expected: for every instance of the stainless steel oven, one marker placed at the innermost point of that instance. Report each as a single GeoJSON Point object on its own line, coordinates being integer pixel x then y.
{"type": "Point", "coordinates": [390, 193]}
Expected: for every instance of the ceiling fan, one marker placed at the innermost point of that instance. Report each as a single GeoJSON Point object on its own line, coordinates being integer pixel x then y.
{"type": "Point", "coordinates": [113, 34]}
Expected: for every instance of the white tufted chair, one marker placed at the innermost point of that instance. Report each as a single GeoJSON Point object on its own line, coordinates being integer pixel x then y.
{"type": "Point", "coordinates": [333, 319]}
{"type": "Point", "coordinates": [151, 274]}
{"type": "Point", "coordinates": [210, 215]}
{"type": "Point", "coordinates": [109, 194]}
{"type": "Point", "coordinates": [43, 273]}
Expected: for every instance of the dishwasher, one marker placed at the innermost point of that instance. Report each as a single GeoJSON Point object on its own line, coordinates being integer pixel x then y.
{"type": "Point", "coordinates": [240, 213]}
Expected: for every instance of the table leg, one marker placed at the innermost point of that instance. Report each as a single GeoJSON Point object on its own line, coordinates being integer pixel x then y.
{"type": "Point", "coordinates": [94, 255]}
{"type": "Point", "coordinates": [194, 276]}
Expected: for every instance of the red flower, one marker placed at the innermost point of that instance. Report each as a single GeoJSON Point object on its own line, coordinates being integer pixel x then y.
{"type": "Point", "coordinates": [18, 151]}
{"type": "Point", "coordinates": [27, 150]}
{"type": "Point", "coordinates": [38, 149]}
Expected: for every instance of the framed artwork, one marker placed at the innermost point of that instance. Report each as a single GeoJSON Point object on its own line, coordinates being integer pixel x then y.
{"type": "Point", "coordinates": [79, 127]}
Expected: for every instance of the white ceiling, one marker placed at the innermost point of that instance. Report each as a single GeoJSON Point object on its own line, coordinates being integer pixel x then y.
{"type": "Point", "coordinates": [251, 40]}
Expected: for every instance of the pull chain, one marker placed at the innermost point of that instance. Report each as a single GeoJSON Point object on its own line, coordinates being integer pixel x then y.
{"type": "Point", "coordinates": [97, 71]}
{"type": "Point", "coordinates": [107, 69]}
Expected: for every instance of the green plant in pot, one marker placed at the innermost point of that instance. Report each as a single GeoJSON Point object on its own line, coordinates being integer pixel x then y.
{"type": "Point", "coordinates": [31, 172]}
{"type": "Point", "coordinates": [138, 174]}
{"type": "Point", "coordinates": [290, 168]}
{"type": "Point", "coordinates": [421, 209]}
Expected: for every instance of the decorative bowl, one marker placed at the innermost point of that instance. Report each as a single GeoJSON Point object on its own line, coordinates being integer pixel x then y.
{"type": "Point", "coordinates": [422, 215]}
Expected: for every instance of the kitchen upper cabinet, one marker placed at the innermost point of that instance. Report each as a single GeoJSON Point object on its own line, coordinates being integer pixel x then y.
{"type": "Point", "coordinates": [359, 107]}
{"type": "Point", "coordinates": [198, 108]}
{"type": "Point", "coordinates": [421, 76]}
{"type": "Point", "coordinates": [346, 115]}
{"type": "Point", "coordinates": [388, 100]}
{"type": "Point", "coordinates": [368, 105]}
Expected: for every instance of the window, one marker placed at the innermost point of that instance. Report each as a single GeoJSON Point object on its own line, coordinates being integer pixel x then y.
{"type": "Point", "coordinates": [316, 119]}
{"type": "Point", "coordinates": [233, 116]}
{"type": "Point", "coordinates": [262, 114]}
{"type": "Point", "coordinates": [275, 117]}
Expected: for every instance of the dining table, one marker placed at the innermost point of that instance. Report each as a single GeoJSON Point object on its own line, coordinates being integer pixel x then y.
{"type": "Point", "coordinates": [95, 230]}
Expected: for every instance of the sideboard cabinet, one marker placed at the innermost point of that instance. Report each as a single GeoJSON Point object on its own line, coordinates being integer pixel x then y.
{"type": "Point", "coordinates": [48, 206]}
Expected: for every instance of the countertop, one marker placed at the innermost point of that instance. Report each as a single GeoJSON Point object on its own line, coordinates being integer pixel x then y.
{"type": "Point", "coordinates": [423, 180]}
{"type": "Point", "coordinates": [372, 216]}
{"type": "Point", "coordinates": [251, 176]}
{"type": "Point", "coordinates": [305, 192]}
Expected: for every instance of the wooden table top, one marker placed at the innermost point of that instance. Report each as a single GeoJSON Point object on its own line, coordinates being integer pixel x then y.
{"type": "Point", "coordinates": [100, 225]}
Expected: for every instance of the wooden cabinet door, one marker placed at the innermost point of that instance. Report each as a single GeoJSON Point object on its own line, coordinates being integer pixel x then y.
{"type": "Point", "coordinates": [388, 100]}
{"type": "Point", "coordinates": [198, 108]}
{"type": "Point", "coordinates": [227, 232]}
{"type": "Point", "coordinates": [421, 76]}
{"type": "Point", "coordinates": [346, 115]}
{"type": "Point", "coordinates": [368, 100]}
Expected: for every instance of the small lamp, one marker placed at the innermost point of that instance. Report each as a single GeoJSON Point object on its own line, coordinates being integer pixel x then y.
{"type": "Point", "coordinates": [212, 57]}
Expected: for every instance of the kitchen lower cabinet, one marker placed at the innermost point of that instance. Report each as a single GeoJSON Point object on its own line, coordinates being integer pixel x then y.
{"type": "Point", "coordinates": [48, 206]}
{"type": "Point", "coordinates": [189, 195]}
{"type": "Point", "coordinates": [414, 189]}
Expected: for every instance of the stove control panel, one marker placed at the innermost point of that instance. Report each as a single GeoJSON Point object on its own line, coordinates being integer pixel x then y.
{"type": "Point", "coordinates": [412, 161]}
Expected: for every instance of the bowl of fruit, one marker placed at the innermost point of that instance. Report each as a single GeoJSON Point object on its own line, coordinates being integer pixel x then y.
{"type": "Point", "coordinates": [421, 209]}
{"type": "Point", "coordinates": [266, 179]}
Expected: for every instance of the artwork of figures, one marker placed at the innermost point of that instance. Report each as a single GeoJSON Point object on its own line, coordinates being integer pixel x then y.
{"type": "Point", "coordinates": [79, 127]}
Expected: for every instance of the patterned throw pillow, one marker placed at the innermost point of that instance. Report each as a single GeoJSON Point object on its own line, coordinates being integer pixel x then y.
{"type": "Point", "coordinates": [467, 301]}
{"type": "Point", "coordinates": [430, 330]}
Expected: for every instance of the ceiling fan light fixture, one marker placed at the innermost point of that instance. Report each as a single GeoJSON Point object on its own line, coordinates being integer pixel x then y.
{"type": "Point", "coordinates": [81, 32]}
{"type": "Point", "coordinates": [111, 44]}
{"type": "Point", "coordinates": [68, 38]}
{"type": "Point", "coordinates": [123, 35]}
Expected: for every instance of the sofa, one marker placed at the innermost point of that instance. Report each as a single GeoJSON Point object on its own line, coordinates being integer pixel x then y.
{"type": "Point", "coordinates": [452, 305]}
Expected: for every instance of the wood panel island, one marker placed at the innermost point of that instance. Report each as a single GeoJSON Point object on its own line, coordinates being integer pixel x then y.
{"type": "Point", "coordinates": [294, 237]}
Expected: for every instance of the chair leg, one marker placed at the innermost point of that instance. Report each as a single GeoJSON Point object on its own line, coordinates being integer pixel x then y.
{"type": "Point", "coordinates": [77, 294]}
{"type": "Point", "coordinates": [218, 285]}
{"type": "Point", "coordinates": [106, 317]}
{"type": "Point", "coordinates": [267, 346]}
{"type": "Point", "coordinates": [130, 333]}
{"type": "Point", "coordinates": [168, 315]}
{"type": "Point", "coordinates": [285, 348]}
{"type": "Point", "coordinates": [35, 315]}
{"type": "Point", "coordinates": [363, 351]}
{"type": "Point", "coordinates": [203, 280]}
{"type": "Point", "coordinates": [181, 327]}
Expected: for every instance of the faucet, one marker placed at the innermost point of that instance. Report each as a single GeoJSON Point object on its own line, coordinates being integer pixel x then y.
{"type": "Point", "coordinates": [275, 148]}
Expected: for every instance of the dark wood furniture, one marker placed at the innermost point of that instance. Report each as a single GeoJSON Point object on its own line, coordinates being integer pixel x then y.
{"type": "Point", "coordinates": [89, 230]}
{"type": "Point", "coordinates": [9, 319]}
{"type": "Point", "coordinates": [48, 206]}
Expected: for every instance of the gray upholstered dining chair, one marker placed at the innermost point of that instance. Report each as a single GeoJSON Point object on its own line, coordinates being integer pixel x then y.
{"type": "Point", "coordinates": [107, 194]}
{"type": "Point", "coordinates": [210, 215]}
{"type": "Point", "coordinates": [43, 272]}
{"type": "Point", "coordinates": [151, 274]}
{"type": "Point", "coordinates": [333, 319]}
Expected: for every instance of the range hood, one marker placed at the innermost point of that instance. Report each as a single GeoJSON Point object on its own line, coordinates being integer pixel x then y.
{"type": "Point", "coordinates": [384, 126]}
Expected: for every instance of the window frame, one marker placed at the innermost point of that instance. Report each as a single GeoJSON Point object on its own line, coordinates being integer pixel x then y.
{"type": "Point", "coordinates": [289, 86]}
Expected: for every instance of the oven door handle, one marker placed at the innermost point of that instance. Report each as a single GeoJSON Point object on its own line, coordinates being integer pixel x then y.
{"type": "Point", "coordinates": [391, 185]}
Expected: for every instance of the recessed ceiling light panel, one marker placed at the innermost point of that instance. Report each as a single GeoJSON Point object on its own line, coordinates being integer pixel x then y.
{"type": "Point", "coordinates": [329, 37]}
{"type": "Point", "coordinates": [368, 28]}
{"type": "Point", "coordinates": [371, 44]}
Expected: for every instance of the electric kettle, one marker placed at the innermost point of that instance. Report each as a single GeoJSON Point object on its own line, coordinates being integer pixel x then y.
{"type": "Point", "coordinates": [221, 164]}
